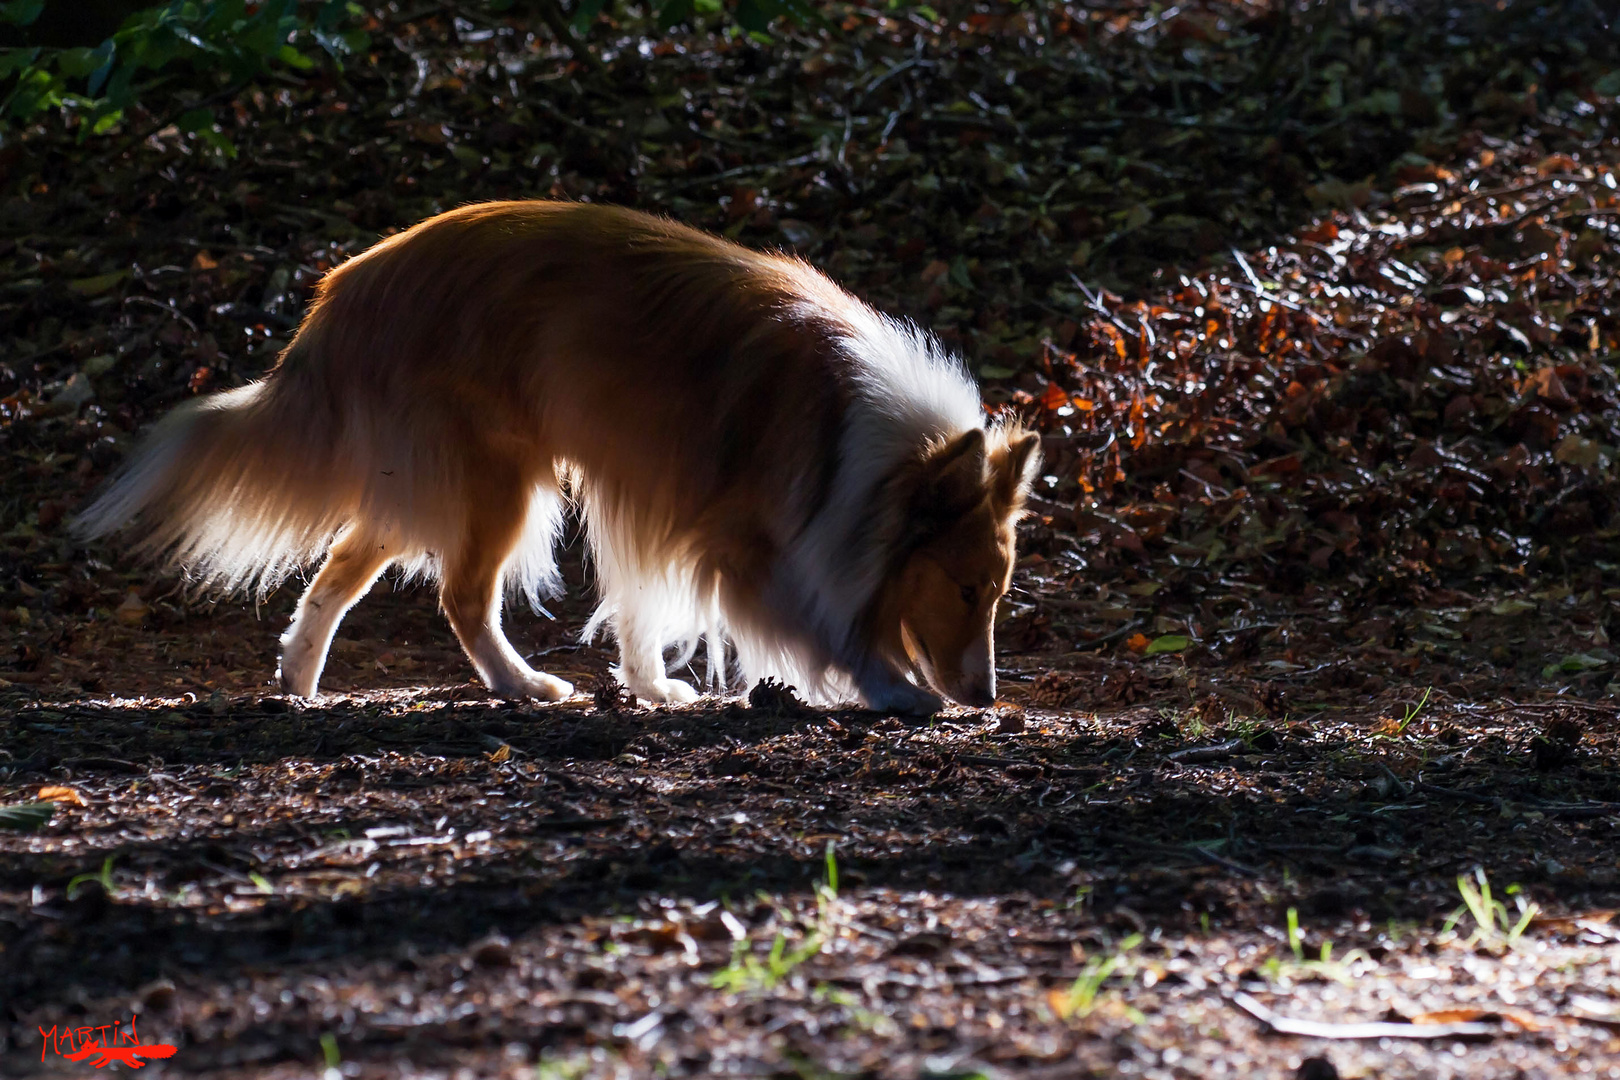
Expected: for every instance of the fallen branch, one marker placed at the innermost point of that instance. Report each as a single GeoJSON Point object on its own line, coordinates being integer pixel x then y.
{"type": "Point", "coordinates": [1454, 793]}
{"type": "Point", "coordinates": [1317, 1029]}
{"type": "Point", "coordinates": [1195, 755]}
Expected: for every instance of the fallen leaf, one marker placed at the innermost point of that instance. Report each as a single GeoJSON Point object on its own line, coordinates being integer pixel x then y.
{"type": "Point", "coordinates": [133, 610]}
{"type": "Point", "coordinates": [100, 283]}
{"type": "Point", "coordinates": [26, 817]}
{"type": "Point", "coordinates": [1168, 643]}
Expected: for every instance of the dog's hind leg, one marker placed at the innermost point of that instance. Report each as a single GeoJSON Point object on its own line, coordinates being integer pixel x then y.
{"type": "Point", "coordinates": [353, 564]}
{"type": "Point", "coordinates": [471, 589]}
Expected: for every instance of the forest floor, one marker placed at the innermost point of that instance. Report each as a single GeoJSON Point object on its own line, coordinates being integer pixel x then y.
{"type": "Point", "coordinates": [1308, 712]}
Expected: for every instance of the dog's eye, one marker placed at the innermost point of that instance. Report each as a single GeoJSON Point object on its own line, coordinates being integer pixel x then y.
{"type": "Point", "coordinates": [970, 595]}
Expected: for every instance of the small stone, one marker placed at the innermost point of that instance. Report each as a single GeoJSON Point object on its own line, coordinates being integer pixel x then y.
{"type": "Point", "coordinates": [158, 996]}
{"type": "Point", "coordinates": [133, 611]}
{"type": "Point", "coordinates": [99, 364]}
{"type": "Point", "coordinates": [75, 392]}
{"type": "Point", "coordinates": [1316, 1068]}
{"type": "Point", "coordinates": [495, 952]}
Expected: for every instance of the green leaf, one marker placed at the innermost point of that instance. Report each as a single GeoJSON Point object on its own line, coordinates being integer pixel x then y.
{"type": "Point", "coordinates": [195, 120]}
{"type": "Point", "coordinates": [108, 52]}
{"type": "Point", "coordinates": [1573, 665]}
{"type": "Point", "coordinates": [753, 15]}
{"type": "Point", "coordinates": [215, 139]}
{"type": "Point", "coordinates": [95, 286]}
{"type": "Point", "coordinates": [801, 12]}
{"type": "Point", "coordinates": [671, 12]}
{"type": "Point", "coordinates": [77, 62]}
{"type": "Point", "coordinates": [1167, 643]}
{"type": "Point", "coordinates": [585, 14]}
{"type": "Point", "coordinates": [36, 89]}
{"type": "Point", "coordinates": [294, 59]}
{"type": "Point", "coordinates": [1138, 216]}
{"type": "Point", "coordinates": [21, 12]}
{"type": "Point", "coordinates": [105, 121]}
{"type": "Point", "coordinates": [961, 275]}
{"type": "Point", "coordinates": [26, 817]}
{"type": "Point", "coordinates": [334, 12]}
{"type": "Point", "coordinates": [1380, 103]}
{"type": "Point", "coordinates": [15, 60]}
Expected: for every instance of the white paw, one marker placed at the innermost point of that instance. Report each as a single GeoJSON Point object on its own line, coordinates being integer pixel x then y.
{"type": "Point", "coordinates": [296, 680]}
{"type": "Point", "coordinates": [904, 698]}
{"type": "Point", "coordinates": [536, 684]}
{"type": "Point", "coordinates": [666, 692]}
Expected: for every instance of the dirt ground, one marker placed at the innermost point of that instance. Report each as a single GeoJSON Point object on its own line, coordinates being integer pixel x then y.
{"type": "Point", "coordinates": [1308, 708]}
{"type": "Point", "coordinates": [409, 879]}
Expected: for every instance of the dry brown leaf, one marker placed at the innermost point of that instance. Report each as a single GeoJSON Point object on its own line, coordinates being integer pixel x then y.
{"type": "Point", "coordinates": [1525, 1020]}
{"type": "Point", "coordinates": [1572, 922]}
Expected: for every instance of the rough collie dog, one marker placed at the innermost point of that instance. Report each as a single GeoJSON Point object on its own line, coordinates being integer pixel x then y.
{"type": "Point", "coordinates": [758, 458]}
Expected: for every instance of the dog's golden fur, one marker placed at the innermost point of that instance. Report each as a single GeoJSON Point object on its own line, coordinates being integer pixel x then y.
{"type": "Point", "coordinates": [758, 457]}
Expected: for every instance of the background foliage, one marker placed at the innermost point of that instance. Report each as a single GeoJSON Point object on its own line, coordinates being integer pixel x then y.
{"type": "Point", "coordinates": [209, 49]}
{"type": "Point", "coordinates": [221, 44]}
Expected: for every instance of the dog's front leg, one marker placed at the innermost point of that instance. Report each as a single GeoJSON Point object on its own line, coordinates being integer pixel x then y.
{"type": "Point", "coordinates": [885, 689]}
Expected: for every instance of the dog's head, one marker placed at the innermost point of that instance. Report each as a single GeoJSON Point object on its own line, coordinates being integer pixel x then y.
{"type": "Point", "coordinates": [957, 563]}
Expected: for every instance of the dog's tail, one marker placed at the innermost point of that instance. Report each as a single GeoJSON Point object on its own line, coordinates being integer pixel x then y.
{"type": "Point", "coordinates": [240, 488]}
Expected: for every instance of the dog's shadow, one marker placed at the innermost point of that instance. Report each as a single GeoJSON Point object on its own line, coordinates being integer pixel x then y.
{"type": "Point", "coordinates": [99, 734]}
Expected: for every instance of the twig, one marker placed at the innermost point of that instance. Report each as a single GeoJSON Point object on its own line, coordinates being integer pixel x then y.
{"type": "Point", "coordinates": [1315, 1029]}
{"type": "Point", "coordinates": [1454, 793]}
{"type": "Point", "coordinates": [558, 823]}
{"type": "Point", "coordinates": [1400, 786]}
{"type": "Point", "coordinates": [40, 355]}
{"type": "Point", "coordinates": [1514, 706]}
{"type": "Point", "coordinates": [1108, 638]}
{"type": "Point", "coordinates": [1467, 197]}
{"type": "Point", "coordinates": [1196, 754]}
{"type": "Point", "coordinates": [551, 15]}
{"type": "Point", "coordinates": [740, 170]}
{"type": "Point", "coordinates": [1221, 860]}
{"type": "Point", "coordinates": [1575, 811]}
{"type": "Point", "coordinates": [1248, 271]}
{"type": "Point", "coordinates": [985, 761]}
{"type": "Point", "coordinates": [105, 764]}
{"type": "Point", "coordinates": [904, 65]}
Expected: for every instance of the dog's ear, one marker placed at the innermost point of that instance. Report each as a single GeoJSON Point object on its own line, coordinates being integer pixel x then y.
{"type": "Point", "coordinates": [957, 473]}
{"type": "Point", "coordinates": [1015, 469]}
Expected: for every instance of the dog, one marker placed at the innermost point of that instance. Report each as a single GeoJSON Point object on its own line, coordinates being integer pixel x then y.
{"type": "Point", "coordinates": [758, 458]}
